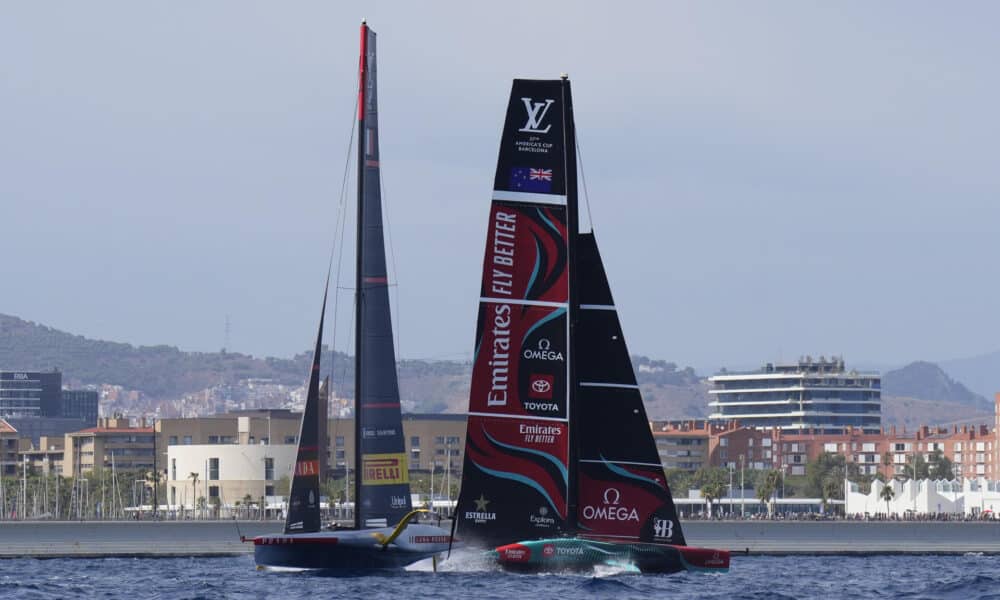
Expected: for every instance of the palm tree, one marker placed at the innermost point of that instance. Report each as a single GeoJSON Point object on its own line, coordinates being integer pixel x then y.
{"type": "Point", "coordinates": [194, 488]}
{"type": "Point", "coordinates": [768, 486]}
{"type": "Point", "coordinates": [712, 491]}
{"type": "Point", "coordinates": [887, 494]}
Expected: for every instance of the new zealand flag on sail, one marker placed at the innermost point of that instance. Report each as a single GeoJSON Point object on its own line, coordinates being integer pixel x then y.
{"type": "Point", "coordinates": [526, 179]}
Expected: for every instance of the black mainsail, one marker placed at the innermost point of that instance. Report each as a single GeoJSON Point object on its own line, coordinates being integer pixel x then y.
{"type": "Point", "coordinates": [383, 487]}
{"type": "Point", "coordinates": [622, 491]}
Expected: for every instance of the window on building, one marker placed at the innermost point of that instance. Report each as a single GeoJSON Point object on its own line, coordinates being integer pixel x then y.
{"type": "Point", "coordinates": [268, 490]}
{"type": "Point", "coordinates": [453, 439]}
{"type": "Point", "coordinates": [225, 439]}
{"type": "Point", "coordinates": [724, 442]}
{"type": "Point", "coordinates": [340, 455]}
{"type": "Point", "coordinates": [958, 457]}
{"type": "Point", "coordinates": [289, 439]}
{"type": "Point", "coordinates": [339, 441]}
{"type": "Point", "coordinates": [957, 447]}
{"type": "Point", "coordinates": [213, 469]}
{"type": "Point", "coordinates": [213, 491]}
{"type": "Point", "coordinates": [213, 439]}
{"type": "Point", "coordinates": [172, 440]}
{"type": "Point", "coordinates": [173, 469]}
{"type": "Point", "coordinates": [439, 439]}
{"type": "Point", "coordinates": [830, 447]}
{"type": "Point", "coordinates": [415, 441]}
{"type": "Point", "coordinates": [766, 442]}
{"type": "Point", "coordinates": [268, 469]}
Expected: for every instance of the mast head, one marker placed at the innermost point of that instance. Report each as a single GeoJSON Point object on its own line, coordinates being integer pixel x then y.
{"type": "Point", "coordinates": [564, 76]}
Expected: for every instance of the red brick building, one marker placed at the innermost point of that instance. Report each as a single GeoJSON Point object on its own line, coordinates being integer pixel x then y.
{"type": "Point", "coordinates": [973, 449]}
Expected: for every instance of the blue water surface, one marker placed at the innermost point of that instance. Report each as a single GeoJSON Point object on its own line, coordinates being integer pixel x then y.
{"type": "Point", "coordinates": [933, 577]}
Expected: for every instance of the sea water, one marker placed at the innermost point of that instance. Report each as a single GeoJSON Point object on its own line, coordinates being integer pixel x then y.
{"type": "Point", "coordinates": [933, 577]}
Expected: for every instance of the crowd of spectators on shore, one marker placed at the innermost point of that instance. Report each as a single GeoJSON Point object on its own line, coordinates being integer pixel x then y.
{"type": "Point", "coordinates": [814, 516]}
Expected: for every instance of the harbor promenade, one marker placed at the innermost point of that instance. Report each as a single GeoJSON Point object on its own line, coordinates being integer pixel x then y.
{"type": "Point", "coordinates": [49, 539]}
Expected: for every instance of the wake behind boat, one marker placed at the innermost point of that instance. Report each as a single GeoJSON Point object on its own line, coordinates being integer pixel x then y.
{"type": "Point", "coordinates": [382, 486]}
{"type": "Point", "coordinates": [561, 470]}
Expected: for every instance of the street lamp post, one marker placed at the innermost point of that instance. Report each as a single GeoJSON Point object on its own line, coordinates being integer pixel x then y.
{"type": "Point", "coordinates": [742, 504]}
{"type": "Point", "coordinates": [730, 490]}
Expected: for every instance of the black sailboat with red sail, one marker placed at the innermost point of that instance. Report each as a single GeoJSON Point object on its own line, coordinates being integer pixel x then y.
{"type": "Point", "coordinates": [561, 470]}
{"type": "Point", "coordinates": [385, 534]}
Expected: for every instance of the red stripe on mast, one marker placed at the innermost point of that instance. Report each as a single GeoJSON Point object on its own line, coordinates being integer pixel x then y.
{"type": "Point", "coordinates": [361, 72]}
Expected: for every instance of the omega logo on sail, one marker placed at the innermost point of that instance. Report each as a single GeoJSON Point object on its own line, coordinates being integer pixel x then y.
{"type": "Point", "coordinates": [543, 352]}
{"type": "Point", "coordinates": [610, 510]}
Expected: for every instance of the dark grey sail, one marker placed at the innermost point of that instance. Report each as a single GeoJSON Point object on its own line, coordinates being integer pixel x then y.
{"type": "Point", "coordinates": [383, 487]}
{"type": "Point", "coordinates": [303, 499]}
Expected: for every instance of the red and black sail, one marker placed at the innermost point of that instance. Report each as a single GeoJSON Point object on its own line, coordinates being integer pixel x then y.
{"type": "Point", "coordinates": [382, 487]}
{"type": "Point", "coordinates": [622, 491]}
{"type": "Point", "coordinates": [558, 440]}
{"type": "Point", "coordinates": [515, 479]}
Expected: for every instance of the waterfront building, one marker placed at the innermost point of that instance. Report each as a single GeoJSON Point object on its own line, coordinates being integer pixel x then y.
{"type": "Point", "coordinates": [114, 442]}
{"type": "Point", "coordinates": [976, 497]}
{"type": "Point", "coordinates": [34, 428]}
{"type": "Point", "coordinates": [8, 449]}
{"type": "Point", "coordinates": [80, 404]}
{"type": "Point", "coordinates": [30, 394]}
{"type": "Point", "coordinates": [888, 451]}
{"type": "Point", "coordinates": [247, 428]}
{"type": "Point", "coordinates": [809, 395]}
{"type": "Point", "coordinates": [224, 474]}
{"type": "Point", "coordinates": [683, 444]}
{"type": "Point", "coordinates": [44, 458]}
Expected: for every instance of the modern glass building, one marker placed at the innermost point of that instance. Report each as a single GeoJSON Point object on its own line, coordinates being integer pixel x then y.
{"type": "Point", "coordinates": [30, 394]}
{"type": "Point", "coordinates": [819, 395]}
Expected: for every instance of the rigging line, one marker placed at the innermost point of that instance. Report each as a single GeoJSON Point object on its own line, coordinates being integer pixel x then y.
{"type": "Point", "coordinates": [583, 178]}
{"type": "Point", "coordinates": [392, 258]}
{"type": "Point", "coordinates": [339, 236]}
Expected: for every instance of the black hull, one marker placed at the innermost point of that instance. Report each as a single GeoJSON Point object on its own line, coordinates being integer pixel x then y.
{"type": "Point", "coordinates": [350, 550]}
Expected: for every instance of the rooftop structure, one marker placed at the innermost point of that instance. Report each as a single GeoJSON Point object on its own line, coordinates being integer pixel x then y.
{"type": "Point", "coordinates": [809, 395]}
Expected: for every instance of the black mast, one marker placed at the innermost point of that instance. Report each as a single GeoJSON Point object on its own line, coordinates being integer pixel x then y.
{"type": "Point", "coordinates": [358, 295]}
{"type": "Point", "coordinates": [573, 231]}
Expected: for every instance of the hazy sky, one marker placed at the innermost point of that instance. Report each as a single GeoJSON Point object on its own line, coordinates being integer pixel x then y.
{"type": "Point", "coordinates": [767, 179]}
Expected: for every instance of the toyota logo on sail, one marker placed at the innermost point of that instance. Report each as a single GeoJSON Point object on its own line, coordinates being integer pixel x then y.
{"type": "Point", "coordinates": [540, 386]}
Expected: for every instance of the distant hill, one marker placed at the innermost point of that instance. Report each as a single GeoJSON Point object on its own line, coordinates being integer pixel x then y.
{"type": "Point", "coordinates": [927, 381]}
{"type": "Point", "coordinates": [981, 373]}
{"type": "Point", "coordinates": [921, 393]}
{"type": "Point", "coordinates": [167, 373]}
{"type": "Point", "coordinates": [158, 371]}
